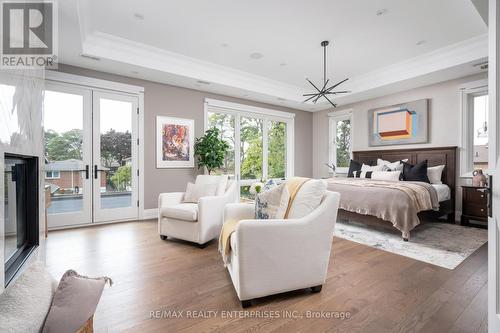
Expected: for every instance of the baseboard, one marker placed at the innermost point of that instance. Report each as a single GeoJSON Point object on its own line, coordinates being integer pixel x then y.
{"type": "Point", "coordinates": [148, 214]}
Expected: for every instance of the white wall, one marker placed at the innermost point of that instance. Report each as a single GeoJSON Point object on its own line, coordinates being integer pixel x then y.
{"type": "Point", "coordinates": [444, 119]}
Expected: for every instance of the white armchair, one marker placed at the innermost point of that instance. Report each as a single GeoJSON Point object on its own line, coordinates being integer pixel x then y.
{"type": "Point", "coordinates": [273, 256]}
{"type": "Point", "coordinates": [194, 222]}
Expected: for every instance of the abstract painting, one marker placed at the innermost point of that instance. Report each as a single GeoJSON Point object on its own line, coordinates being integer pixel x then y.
{"type": "Point", "coordinates": [174, 142]}
{"type": "Point", "coordinates": [399, 124]}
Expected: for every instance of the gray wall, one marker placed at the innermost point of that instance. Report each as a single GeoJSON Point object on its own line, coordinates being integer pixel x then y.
{"type": "Point", "coordinates": [444, 119]}
{"type": "Point", "coordinates": [162, 99]}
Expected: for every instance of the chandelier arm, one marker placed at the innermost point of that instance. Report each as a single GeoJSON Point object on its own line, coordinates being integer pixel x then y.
{"type": "Point", "coordinates": [337, 84]}
{"type": "Point", "coordinates": [324, 85]}
{"type": "Point", "coordinates": [317, 98]}
{"type": "Point", "coordinates": [311, 94]}
{"type": "Point", "coordinates": [333, 104]}
{"type": "Point", "coordinates": [338, 92]}
{"type": "Point", "coordinates": [309, 98]}
{"type": "Point", "coordinates": [313, 85]}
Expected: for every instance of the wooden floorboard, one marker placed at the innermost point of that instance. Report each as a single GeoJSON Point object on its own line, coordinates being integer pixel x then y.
{"type": "Point", "coordinates": [382, 291]}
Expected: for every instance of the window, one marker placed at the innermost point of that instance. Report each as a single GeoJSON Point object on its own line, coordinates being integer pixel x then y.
{"type": "Point", "coordinates": [474, 152]}
{"type": "Point", "coordinates": [480, 132]}
{"type": "Point", "coordinates": [340, 133]}
{"type": "Point", "coordinates": [260, 141]}
{"type": "Point", "coordinates": [52, 175]}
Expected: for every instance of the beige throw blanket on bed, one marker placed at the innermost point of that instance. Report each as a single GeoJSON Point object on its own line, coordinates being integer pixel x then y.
{"type": "Point", "coordinates": [418, 194]}
{"type": "Point", "coordinates": [396, 202]}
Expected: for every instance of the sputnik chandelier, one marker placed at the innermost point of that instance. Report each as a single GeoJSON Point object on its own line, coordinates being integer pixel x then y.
{"type": "Point", "coordinates": [324, 91]}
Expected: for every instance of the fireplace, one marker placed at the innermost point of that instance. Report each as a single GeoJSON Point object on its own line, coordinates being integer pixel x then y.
{"type": "Point", "coordinates": [21, 216]}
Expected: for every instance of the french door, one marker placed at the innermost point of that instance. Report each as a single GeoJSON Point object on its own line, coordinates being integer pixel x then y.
{"type": "Point", "coordinates": [261, 145]}
{"type": "Point", "coordinates": [91, 151]}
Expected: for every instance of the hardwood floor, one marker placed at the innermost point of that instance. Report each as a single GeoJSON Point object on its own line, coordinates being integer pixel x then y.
{"type": "Point", "coordinates": [383, 292]}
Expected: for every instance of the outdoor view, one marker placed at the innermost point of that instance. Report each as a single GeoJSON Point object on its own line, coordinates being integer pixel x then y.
{"type": "Point", "coordinates": [481, 132]}
{"type": "Point", "coordinates": [251, 148]}
{"type": "Point", "coordinates": [64, 152]}
{"type": "Point", "coordinates": [116, 153]}
{"type": "Point", "coordinates": [343, 143]}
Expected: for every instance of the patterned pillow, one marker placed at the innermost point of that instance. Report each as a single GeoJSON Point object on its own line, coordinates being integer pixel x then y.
{"type": "Point", "coordinates": [272, 204]}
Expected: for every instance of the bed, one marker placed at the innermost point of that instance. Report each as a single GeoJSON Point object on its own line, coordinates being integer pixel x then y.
{"type": "Point", "coordinates": [403, 204]}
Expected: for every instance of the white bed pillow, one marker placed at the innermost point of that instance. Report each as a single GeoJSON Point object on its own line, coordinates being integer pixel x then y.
{"type": "Point", "coordinates": [391, 165]}
{"type": "Point", "coordinates": [196, 191]}
{"type": "Point", "coordinates": [307, 199]}
{"type": "Point", "coordinates": [366, 167]}
{"type": "Point", "coordinates": [378, 175]}
{"type": "Point", "coordinates": [434, 174]}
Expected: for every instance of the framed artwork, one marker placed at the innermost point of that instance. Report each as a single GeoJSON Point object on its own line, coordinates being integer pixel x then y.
{"type": "Point", "coordinates": [174, 142]}
{"type": "Point", "coordinates": [399, 124]}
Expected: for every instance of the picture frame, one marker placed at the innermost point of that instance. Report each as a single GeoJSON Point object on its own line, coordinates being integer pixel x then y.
{"type": "Point", "coordinates": [174, 142]}
{"type": "Point", "coordinates": [400, 124]}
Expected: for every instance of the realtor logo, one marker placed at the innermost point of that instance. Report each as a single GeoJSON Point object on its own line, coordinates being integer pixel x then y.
{"type": "Point", "coordinates": [29, 34]}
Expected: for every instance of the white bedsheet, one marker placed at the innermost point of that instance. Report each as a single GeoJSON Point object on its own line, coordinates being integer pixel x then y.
{"type": "Point", "coordinates": [443, 192]}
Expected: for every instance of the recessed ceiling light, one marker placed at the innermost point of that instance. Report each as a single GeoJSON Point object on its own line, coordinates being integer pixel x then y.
{"type": "Point", "coordinates": [381, 12]}
{"type": "Point", "coordinates": [203, 82]}
{"type": "Point", "coordinates": [88, 56]}
{"type": "Point", "coordinates": [420, 42]}
{"type": "Point", "coordinates": [139, 16]}
{"type": "Point", "coordinates": [224, 44]}
{"type": "Point", "coordinates": [283, 64]}
{"type": "Point", "coordinates": [256, 55]}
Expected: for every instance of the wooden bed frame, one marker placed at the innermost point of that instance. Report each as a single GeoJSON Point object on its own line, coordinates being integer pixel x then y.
{"type": "Point", "coordinates": [446, 156]}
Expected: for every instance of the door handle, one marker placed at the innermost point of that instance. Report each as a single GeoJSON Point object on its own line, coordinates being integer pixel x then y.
{"type": "Point", "coordinates": [95, 171]}
{"type": "Point", "coordinates": [86, 170]}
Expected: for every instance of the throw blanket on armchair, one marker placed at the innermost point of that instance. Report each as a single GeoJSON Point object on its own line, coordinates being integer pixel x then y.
{"type": "Point", "coordinates": [293, 185]}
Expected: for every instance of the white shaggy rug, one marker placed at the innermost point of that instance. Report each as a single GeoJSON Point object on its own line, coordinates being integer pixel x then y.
{"type": "Point", "coordinates": [441, 244]}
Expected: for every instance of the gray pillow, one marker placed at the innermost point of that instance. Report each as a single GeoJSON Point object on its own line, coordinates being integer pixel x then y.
{"type": "Point", "coordinates": [74, 302]}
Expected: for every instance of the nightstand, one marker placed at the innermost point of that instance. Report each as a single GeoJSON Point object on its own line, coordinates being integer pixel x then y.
{"type": "Point", "coordinates": [474, 207]}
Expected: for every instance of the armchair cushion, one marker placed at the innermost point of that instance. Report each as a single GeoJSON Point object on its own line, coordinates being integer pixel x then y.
{"type": "Point", "coordinates": [307, 199]}
{"type": "Point", "coordinates": [196, 191]}
{"type": "Point", "coordinates": [221, 182]}
{"type": "Point", "coordinates": [184, 211]}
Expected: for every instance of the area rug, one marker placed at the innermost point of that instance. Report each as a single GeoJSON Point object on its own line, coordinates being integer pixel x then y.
{"type": "Point", "coordinates": [440, 244]}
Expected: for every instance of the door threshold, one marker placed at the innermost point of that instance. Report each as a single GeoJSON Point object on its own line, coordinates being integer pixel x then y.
{"type": "Point", "coordinates": [85, 225]}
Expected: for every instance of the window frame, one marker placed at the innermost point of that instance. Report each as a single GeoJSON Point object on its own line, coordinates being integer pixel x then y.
{"type": "Point", "coordinates": [241, 110]}
{"type": "Point", "coordinates": [52, 174]}
{"type": "Point", "coordinates": [467, 93]}
{"type": "Point", "coordinates": [333, 118]}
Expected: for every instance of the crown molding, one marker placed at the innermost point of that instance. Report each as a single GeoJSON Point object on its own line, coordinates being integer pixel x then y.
{"type": "Point", "coordinates": [110, 47]}
{"type": "Point", "coordinates": [372, 84]}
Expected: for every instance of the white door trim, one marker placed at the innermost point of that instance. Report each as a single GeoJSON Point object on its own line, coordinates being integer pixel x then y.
{"type": "Point", "coordinates": [494, 167]}
{"type": "Point", "coordinates": [122, 213]}
{"type": "Point", "coordinates": [85, 215]}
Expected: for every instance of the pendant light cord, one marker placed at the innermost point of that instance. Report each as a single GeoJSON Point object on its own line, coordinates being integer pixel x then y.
{"type": "Point", "coordinates": [324, 64]}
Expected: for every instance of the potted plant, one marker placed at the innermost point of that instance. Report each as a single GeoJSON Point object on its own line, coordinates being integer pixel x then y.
{"type": "Point", "coordinates": [210, 150]}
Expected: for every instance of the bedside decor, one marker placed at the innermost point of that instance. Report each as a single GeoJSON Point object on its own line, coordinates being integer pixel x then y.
{"type": "Point", "coordinates": [399, 124]}
{"type": "Point", "coordinates": [174, 142]}
{"type": "Point", "coordinates": [210, 150]}
{"type": "Point", "coordinates": [474, 206]}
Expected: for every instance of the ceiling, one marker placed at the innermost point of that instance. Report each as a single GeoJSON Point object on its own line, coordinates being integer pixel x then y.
{"type": "Point", "coordinates": [264, 50]}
